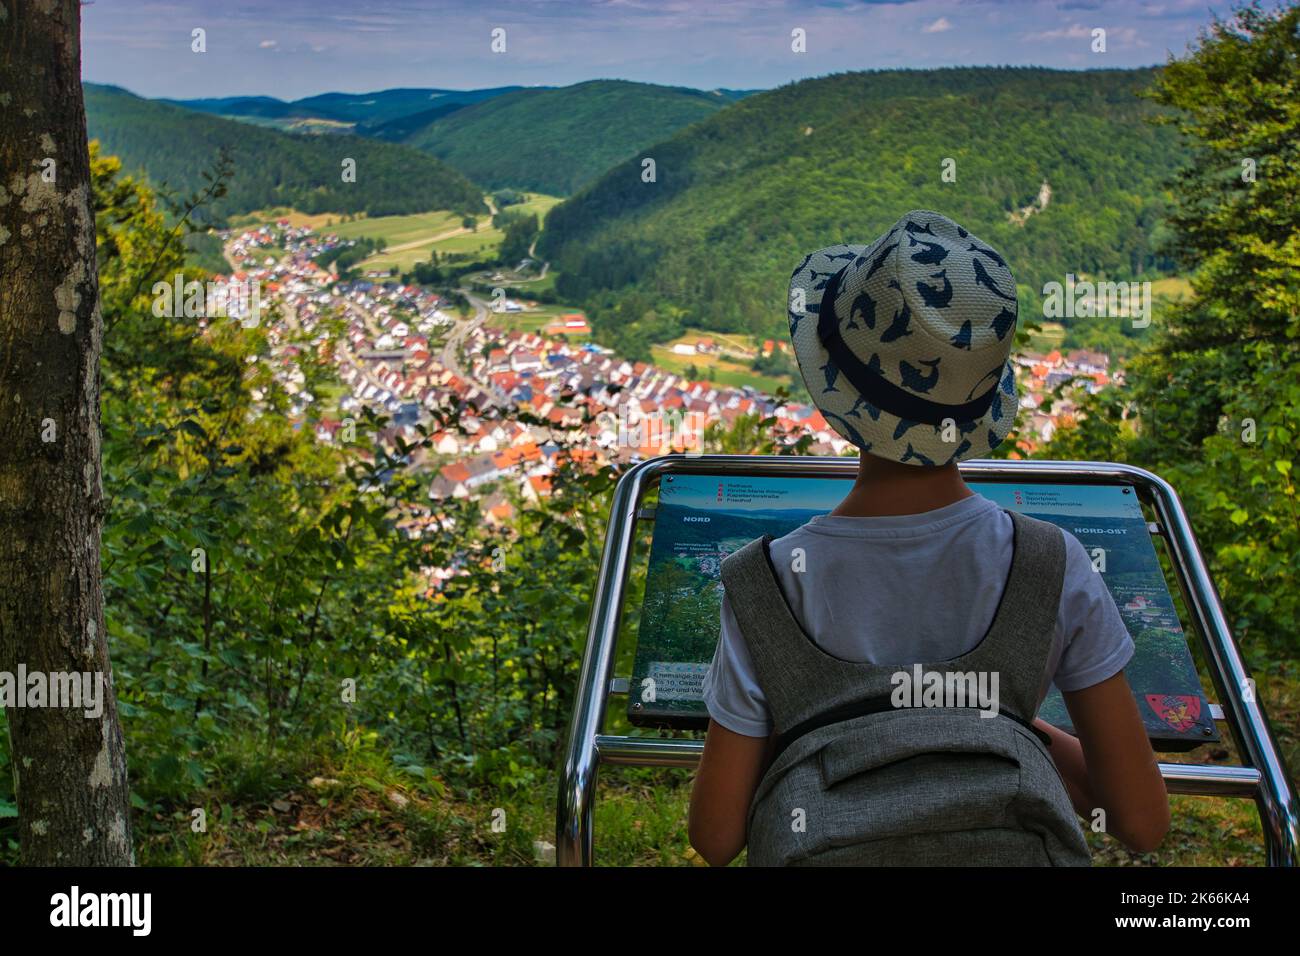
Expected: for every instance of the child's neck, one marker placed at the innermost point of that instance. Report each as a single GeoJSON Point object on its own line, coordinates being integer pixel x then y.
{"type": "Point", "coordinates": [889, 488]}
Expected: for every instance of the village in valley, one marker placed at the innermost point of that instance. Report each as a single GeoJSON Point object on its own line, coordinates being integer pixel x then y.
{"type": "Point", "coordinates": [532, 396]}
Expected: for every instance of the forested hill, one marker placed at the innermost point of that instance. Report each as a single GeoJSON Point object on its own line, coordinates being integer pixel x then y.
{"type": "Point", "coordinates": [175, 146]}
{"type": "Point", "coordinates": [556, 140]}
{"type": "Point", "coordinates": [740, 197]}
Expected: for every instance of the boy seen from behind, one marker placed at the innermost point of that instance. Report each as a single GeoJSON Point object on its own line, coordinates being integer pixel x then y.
{"type": "Point", "coordinates": [813, 756]}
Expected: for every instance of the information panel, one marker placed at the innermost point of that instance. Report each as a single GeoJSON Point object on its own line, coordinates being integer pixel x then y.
{"type": "Point", "coordinates": [703, 518]}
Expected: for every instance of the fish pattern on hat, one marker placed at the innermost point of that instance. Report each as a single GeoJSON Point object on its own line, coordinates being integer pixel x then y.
{"type": "Point", "coordinates": [921, 325]}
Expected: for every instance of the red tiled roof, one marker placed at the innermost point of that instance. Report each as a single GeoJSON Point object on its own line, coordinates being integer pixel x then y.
{"type": "Point", "coordinates": [455, 472]}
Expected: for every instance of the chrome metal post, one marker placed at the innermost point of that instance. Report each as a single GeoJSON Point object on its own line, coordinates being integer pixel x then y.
{"type": "Point", "coordinates": [1279, 812]}
{"type": "Point", "coordinates": [573, 846]}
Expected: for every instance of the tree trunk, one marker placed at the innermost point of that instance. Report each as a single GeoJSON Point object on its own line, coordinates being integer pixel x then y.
{"type": "Point", "coordinates": [69, 767]}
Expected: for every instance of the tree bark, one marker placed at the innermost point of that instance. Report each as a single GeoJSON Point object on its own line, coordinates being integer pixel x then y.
{"type": "Point", "coordinates": [69, 768]}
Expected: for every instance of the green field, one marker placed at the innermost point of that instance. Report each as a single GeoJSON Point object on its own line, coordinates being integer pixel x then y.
{"type": "Point", "coordinates": [399, 230]}
{"type": "Point", "coordinates": [536, 319]}
{"type": "Point", "coordinates": [710, 368]}
{"type": "Point", "coordinates": [544, 284]}
{"type": "Point", "coordinates": [412, 239]}
{"type": "Point", "coordinates": [1051, 336]}
{"type": "Point", "coordinates": [1175, 288]}
{"type": "Point", "coordinates": [714, 366]}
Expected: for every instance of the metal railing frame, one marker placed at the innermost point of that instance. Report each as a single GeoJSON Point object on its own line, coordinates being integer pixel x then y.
{"type": "Point", "coordinates": [1262, 775]}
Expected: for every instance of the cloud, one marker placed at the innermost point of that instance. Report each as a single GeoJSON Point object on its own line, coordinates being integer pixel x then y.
{"type": "Point", "coordinates": [1127, 36]}
{"type": "Point", "coordinates": [939, 26]}
{"type": "Point", "coordinates": [1076, 31]}
{"type": "Point", "coordinates": [269, 44]}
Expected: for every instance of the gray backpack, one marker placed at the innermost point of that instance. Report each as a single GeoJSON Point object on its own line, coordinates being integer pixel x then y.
{"type": "Point", "coordinates": [858, 780]}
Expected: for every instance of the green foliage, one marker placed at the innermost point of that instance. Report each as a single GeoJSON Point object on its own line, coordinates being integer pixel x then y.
{"type": "Point", "coordinates": [203, 252]}
{"type": "Point", "coordinates": [1214, 402]}
{"type": "Point", "coordinates": [739, 197]}
{"type": "Point", "coordinates": [520, 231]}
{"type": "Point", "coordinates": [446, 275]}
{"type": "Point", "coordinates": [252, 573]}
{"type": "Point", "coordinates": [1118, 339]}
{"type": "Point", "coordinates": [752, 434]}
{"type": "Point", "coordinates": [362, 247]}
{"type": "Point", "coordinates": [556, 140]}
{"type": "Point", "coordinates": [508, 197]}
{"type": "Point", "coordinates": [776, 363]}
{"type": "Point", "coordinates": [174, 146]}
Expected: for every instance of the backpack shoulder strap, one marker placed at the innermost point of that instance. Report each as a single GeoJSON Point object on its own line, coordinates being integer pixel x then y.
{"type": "Point", "coordinates": [1019, 640]}
{"type": "Point", "coordinates": [797, 677]}
{"type": "Point", "coordinates": [802, 682]}
{"type": "Point", "coordinates": [756, 599]}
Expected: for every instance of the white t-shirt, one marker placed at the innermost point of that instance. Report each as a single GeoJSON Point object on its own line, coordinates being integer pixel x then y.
{"type": "Point", "coordinates": [904, 589]}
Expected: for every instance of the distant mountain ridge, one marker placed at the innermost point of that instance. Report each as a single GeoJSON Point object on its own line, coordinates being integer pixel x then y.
{"type": "Point", "coordinates": [361, 111]}
{"type": "Point", "coordinates": [175, 146]}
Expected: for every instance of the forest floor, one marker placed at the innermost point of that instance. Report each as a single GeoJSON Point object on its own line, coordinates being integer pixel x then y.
{"type": "Point", "coordinates": [329, 805]}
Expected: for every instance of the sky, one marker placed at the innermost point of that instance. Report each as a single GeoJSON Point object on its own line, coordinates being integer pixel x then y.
{"type": "Point", "coordinates": [295, 48]}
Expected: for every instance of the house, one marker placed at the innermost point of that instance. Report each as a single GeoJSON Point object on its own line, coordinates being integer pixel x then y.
{"type": "Point", "coordinates": [524, 361]}
{"type": "Point", "coordinates": [481, 470]}
{"type": "Point", "coordinates": [445, 443]}
{"type": "Point", "coordinates": [456, 477]}
{"type": "Point", "coordinates": [535, 487]}
{"type": "Point", "coordinates": [326, 429]}
{"type": "Point", "coordinates": [1088, 361]}
{"type": "Point", "coordinates": [1042, 426]}
{"type": "Point", "coordinates": [497, 511]}
{"type": "Point", "coordinates": [563, 417]}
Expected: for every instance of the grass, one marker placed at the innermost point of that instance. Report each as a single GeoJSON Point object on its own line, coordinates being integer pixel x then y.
{"type": "Point", "coordinates": [345, 801]}
{"type": "Point", "coordinates": [1175, 288]}
{"type": "Point", "coordinates": [410, 238]}
{"type": "Point", "coordinates": [399, 230]}
{"type": "Point", "coordinates": [536, 320]}
{"type": "Point", "coordinates": [476, 244]}
{"type": "Point", "coordinates": [329, 395]}
{"type": "Point", "coordinates": [1051, 337]}
{"type": "Point", "coordinates": [348, 804]}
{"type": "Point", "coordinates": [423, 234]}
{"type": "Point", "coordinates": [331, 803]}
{"type": "Point", "coordinates": [714, 368]}
{"type": "Point", "coordinates": [324, 806]}
{"type": "Point", "coordinates": [538, 203]}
